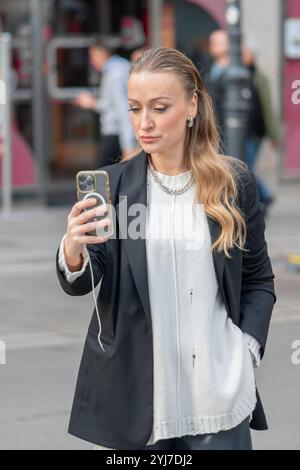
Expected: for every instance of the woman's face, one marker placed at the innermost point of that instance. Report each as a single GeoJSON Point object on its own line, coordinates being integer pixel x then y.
{"type": "Point", "coordinates": [159, 109]}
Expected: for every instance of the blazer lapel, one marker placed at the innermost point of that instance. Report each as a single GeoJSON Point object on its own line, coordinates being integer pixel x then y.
{"type": "Point", "coordinates": [218, 258]}
{"type": "Point", "coordinates": [133, 191]}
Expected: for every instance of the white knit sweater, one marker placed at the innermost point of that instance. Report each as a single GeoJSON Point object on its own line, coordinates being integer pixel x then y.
{"type": "Point", "coordinates": [203, 363]}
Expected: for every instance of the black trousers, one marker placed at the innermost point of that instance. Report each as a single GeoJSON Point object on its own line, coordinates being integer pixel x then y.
{"type": "Point", "coordinates": [110, 150]}
{"type": "Point", "coordinates": [238, 438]}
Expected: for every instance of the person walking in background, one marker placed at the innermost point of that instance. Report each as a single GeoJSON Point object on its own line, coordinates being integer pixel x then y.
{"type": "Point", "coordinates": [261, 119]}
{"type": "Point", "coordinates": [219, 50]}
{"type": "Point", "coordinates": [198, 53]}
{"type": "Point", "coordinates": [118, 138]}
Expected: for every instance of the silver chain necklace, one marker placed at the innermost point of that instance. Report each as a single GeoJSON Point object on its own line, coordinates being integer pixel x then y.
{"type": "Point", "coordinates": [165, 188]}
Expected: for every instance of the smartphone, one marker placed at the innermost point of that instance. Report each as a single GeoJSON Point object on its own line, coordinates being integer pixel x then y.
{"type": "Point", "coordinates": [95, 184]}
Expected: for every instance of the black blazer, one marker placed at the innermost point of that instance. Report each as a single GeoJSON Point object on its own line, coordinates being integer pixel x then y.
{"type": "Point", "coordinates": [113, 402]}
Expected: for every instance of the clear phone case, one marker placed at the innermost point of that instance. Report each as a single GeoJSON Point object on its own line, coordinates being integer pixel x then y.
{"type": "Point", "coordinates": [95, 184]}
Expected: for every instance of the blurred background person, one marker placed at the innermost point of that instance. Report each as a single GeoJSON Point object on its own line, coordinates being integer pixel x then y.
{"type": "Point", "coordinates": [261, 118]}
{"type": "Point", "coordinates": [218, 47]}
{"type": "Point", "coordinates": [261, 121]}
{"type": "Point", "coordinates": [133, 36]}
{"type": "Point", "coordinates": [118, 138]}
{"type": "Point", "coordinates": [199, 54]}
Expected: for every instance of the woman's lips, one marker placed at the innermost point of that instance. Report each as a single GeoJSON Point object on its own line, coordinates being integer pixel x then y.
{"type": "Point", "coordinates": [149, 139]}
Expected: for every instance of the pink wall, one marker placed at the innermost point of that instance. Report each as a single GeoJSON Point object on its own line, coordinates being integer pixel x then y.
{"type": "Point", "coordinates": [291, 111]}
{"type": "Point", "coordinates": [23, 171]}
{"type": "Point", "coordinates": [216, 8]}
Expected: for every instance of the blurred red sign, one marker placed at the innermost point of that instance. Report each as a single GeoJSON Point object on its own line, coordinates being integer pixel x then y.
{"type": "Point", "coordinates": [23, 171]}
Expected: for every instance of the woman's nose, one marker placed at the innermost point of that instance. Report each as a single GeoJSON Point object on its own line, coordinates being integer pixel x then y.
{"type": "Point", "coordinates": [145, 121]}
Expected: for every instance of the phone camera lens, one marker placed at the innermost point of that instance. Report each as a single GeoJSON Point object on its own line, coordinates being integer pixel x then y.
{"type": "Point", "coordinates": [82, 182]}
{"type": "Point", "coordinates": [86, 182]}
{"type": "Point", "coordinates": [90, 181]}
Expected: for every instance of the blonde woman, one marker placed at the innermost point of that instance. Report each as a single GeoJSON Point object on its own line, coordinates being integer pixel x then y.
{"type": "Point", "coordinates": [186, 293]}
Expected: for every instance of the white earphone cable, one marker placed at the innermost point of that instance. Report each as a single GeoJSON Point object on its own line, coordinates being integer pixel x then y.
{"type": "Point", "coordinates": [95, 301]}
{"type": "Point", "coordinates": [102, 201]}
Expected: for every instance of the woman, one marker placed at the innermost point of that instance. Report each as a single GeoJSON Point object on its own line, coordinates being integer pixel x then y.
{"type": "Point", "coordinates": [184, 318]}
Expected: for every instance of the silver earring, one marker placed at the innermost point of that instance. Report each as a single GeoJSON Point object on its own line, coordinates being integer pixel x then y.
{"type": "Point", "coordinates": [190, 122]}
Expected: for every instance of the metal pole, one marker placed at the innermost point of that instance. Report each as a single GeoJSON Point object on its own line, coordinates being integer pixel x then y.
{"type": "Point", "coordinates": [155, 10]}
{"type": "Point", "coordinates": [237, 85]}
{"type": "Point", "coordinates": [38, 96]}
{"type": "Point", "coordinates": [104, 16]}
{"type": "Point", "coordinates": [5, 121]}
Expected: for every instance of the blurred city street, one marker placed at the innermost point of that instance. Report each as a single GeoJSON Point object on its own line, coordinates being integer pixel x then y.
{"type": "Point", "coordinates": [44, 329]}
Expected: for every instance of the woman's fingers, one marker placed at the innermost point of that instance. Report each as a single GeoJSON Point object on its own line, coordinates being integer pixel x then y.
{"type": "Point", "coordinates": [81, 220]}
{"type": "Point", "coordinates": [90, 214]}
{"type": "Point", "coordinates": [79, 206]}
{"type": "Point", "coordinates": [89, 227]}
{"type": "Point", "coordinates": [90, 240]}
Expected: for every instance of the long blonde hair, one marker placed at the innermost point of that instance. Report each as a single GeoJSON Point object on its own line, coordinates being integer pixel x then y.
{"type": "Point", "coordinates": [215, 175]}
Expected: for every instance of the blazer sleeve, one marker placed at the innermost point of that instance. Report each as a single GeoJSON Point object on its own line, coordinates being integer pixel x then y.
{"type": "Point", "coordinates": [71, 276]}
{"type": "Point", "coordinates": [83, 284]}
{"type": "Point", "coordinates": [257, 289]}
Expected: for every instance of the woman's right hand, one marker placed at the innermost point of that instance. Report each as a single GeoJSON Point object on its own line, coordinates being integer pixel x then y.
{"type": "Point", "coordinates": [78, 225]}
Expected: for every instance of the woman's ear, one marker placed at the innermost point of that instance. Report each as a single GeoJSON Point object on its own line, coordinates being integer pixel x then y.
{"type": "Point", "coordinates": [194, 105]}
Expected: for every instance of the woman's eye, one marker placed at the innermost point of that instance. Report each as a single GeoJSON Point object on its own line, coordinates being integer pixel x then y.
{"type": "Point", "coordinates": [160, 110]}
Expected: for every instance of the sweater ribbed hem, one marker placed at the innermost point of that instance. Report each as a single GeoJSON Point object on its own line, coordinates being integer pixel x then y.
{"type": "Point", "coordinates": [204, 424]}
{"type": "Point", "coordinates": [200, 425]}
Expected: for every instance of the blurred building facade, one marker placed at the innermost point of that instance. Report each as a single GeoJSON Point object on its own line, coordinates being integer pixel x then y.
{"type": "Point", "coordinates": [59, 139]}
